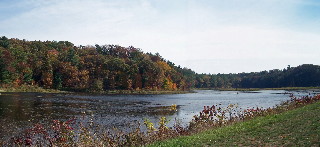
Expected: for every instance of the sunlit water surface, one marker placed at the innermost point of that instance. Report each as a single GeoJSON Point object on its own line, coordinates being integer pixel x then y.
{"type": "Point", "coordinates": [19, 111]}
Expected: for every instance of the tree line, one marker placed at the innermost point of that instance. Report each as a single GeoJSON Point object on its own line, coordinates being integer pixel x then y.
{"type": "Point", "coordinates": [306, 75]}
{"type": "Point", "coordinates": [62, 65]}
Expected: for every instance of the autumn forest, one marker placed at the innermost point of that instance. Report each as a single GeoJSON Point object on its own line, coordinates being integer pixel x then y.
{"type": "Point", "coordinates": [64, 66]}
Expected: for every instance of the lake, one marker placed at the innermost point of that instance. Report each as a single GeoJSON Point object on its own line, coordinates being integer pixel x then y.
{"type": "Point", "coordinates": [19, 111]}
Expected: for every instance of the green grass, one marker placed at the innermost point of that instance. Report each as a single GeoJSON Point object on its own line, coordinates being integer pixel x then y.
{"type": "Point", "coordinates": [298, 127]}
{"type": "Point", "coordinates": [29, 88]}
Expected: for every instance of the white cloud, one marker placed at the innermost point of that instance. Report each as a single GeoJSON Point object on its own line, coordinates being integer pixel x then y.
{"type": "Point", "coordinates": [78, 20]}
{"type": "Point", "coordinates": [213, 34]}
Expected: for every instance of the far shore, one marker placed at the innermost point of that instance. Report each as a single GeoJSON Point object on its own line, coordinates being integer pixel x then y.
{"type": "Point", "coordinates": [29, 88]}
{"type": "Point", "coordinates": [258, 89]}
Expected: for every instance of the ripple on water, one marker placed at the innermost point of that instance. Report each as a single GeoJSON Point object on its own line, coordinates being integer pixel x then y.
{"type": "Point", "coordinates": [119, 110]}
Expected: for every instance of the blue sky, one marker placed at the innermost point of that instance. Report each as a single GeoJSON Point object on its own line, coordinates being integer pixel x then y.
{"type": "Point", "coordinates": [208, 36]}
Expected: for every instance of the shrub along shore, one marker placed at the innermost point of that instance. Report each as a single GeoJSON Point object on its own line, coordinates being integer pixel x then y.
{"type": "Point", "coordinates": [281, 125]}
{"type": "Point", "coordinates": [299, 127]}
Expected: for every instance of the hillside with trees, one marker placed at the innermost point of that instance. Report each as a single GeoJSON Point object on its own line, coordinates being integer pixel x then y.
{"type": "Point", "coordinates": [64, 66]}
{"type": "Point", "coordinates": [61, 65]}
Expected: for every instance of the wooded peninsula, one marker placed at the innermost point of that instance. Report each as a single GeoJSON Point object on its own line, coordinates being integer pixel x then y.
{"type": "Point", "coordinates": [62, 65]}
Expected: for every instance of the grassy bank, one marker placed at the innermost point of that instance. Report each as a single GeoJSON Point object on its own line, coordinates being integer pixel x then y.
{"type": "Point", "coordinates": [28, 88]}
{"type": "Point", "coordinates": [298, 127]}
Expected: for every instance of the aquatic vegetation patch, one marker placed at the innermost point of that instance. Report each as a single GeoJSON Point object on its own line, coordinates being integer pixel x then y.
{"type": "Point", "coordinates": [76, 132]}
{"type": "Point", "coordinates": [164, 110]}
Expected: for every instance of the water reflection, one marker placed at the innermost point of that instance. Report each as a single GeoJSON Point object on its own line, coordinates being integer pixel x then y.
{"type": "Point", "coordinates": [20, 110]}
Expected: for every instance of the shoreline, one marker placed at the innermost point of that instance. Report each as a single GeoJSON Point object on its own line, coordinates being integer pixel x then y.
{"type": "Point", "coordinates": [269, 130]}
{"type": "Point", "coordinates": [259, 89]}
{"type": "Point", "coordinates": [198, 128]}
{"type": "Point", "coordinates": [136, 92]}
{"type": "Point", "coordinates": [28, 88]}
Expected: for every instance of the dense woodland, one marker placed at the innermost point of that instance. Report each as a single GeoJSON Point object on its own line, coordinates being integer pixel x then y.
{"type": "Point", "coordinates": [306, 75]}
{"type": "Point", "coordinates": [62, 65]}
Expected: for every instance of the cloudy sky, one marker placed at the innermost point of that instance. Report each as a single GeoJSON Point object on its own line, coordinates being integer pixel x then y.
{"type": "Point", "coordinates": [208, 36]}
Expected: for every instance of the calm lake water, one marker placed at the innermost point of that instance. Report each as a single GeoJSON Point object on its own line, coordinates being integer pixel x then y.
{"type": "Point", "coordinates": [20, 110]}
